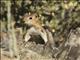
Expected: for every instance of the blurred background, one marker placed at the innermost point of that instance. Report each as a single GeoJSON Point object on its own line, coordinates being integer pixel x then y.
{"type": "Point", "coordinates": [62, 16]}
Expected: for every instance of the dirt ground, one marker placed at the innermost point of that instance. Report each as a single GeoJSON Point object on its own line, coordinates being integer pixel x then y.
{"type": "Point", "coordinates": [69, 50]}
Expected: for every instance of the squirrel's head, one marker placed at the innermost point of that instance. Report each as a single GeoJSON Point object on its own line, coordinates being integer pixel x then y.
{"type": "Point", "coordinates": [30, 19]}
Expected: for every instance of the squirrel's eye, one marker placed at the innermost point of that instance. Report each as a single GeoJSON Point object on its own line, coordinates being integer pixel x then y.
{"type": "Point", "coordinates": [30, 18]}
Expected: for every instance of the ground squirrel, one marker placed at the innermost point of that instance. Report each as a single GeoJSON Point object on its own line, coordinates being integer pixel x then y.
{"type": "Point", "coordinates": [37, 29]}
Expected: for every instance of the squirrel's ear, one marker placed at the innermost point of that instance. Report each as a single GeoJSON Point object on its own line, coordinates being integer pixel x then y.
{"type": "Point", "coordinates": [29, 13]}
